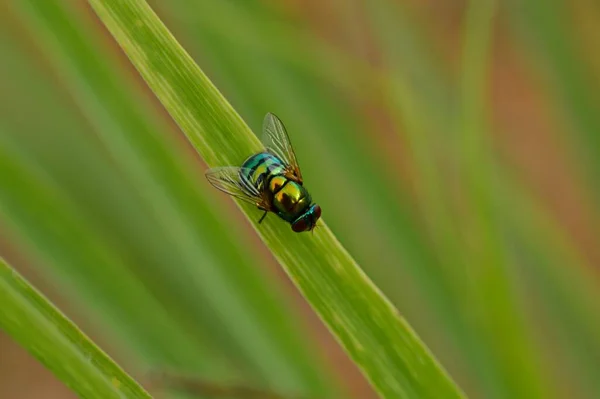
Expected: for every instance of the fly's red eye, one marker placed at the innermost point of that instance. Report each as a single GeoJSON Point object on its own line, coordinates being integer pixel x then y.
{"type": "Point", "coordinates": [299, 225]}
{"type": "Point", "coordinates": [317, 212]}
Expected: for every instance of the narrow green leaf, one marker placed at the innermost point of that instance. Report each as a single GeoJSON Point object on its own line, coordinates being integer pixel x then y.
{"type": "Point", "coordinates": [376, 337]}
{"type": "Point", "coordinates": [55, 341]}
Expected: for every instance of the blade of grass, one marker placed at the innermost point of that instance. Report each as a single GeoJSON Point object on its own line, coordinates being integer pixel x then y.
{"type": "Point", "coordinates": [55, 341]}
{"type": "Point", "coordinates": [376, 337]}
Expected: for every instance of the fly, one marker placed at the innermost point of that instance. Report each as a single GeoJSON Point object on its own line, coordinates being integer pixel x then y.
{"type": "Point", "coordinates": [271, 180]}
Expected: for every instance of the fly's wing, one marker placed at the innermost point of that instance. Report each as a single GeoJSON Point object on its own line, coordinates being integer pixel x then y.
{"type": "Point", "coordinates": [277, 141]}
{"type": "Point", "coordinates": [231, 180]}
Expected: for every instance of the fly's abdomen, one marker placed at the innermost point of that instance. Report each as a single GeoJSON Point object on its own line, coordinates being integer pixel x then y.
{"type": "Point", "coordinates": [260, 167]}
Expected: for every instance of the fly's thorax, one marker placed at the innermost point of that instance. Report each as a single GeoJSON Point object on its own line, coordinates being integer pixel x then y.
{"type": "Point", "coordinates": [277, 182]}
{"type": "Point", "coordinates": [289, 198]}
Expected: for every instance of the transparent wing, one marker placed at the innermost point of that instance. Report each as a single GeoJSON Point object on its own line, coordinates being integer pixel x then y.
{"type": "Point", "coordinates": [230, 180]}
{"type": "Point", "coordinates": [277, 141]}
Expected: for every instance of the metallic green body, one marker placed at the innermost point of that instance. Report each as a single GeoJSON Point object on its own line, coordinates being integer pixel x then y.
{"type": "Point", "coordinates": [289, 199]}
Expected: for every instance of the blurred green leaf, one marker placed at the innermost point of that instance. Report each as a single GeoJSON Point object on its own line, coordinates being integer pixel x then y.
{"type": "Point", "coordinates": [548, 29]}
{"type": "Point", "coordinates": [561, 277]}
{"type": "Point", "coordinates": [35, 208]}
{"type": "Point", "coordinates": [504, 331]}
{"type": "Point", "coordinates": [55, 341]}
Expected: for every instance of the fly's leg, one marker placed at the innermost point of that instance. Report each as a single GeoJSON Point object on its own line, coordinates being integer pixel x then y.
{"type": "Point", "coordinates": [263, 217]}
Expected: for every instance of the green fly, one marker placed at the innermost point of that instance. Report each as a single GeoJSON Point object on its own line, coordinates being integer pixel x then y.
{"type": "Point", "coordinates": [271, 180]}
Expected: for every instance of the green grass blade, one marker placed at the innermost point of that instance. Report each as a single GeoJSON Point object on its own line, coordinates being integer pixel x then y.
{"type": "Point", "coordinates": [376, 337]}
{"type": "Point", "coordinates": [56, 342]}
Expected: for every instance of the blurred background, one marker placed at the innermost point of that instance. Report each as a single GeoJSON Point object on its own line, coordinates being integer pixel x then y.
{"type": "Point", "coordinates": [453, 146]}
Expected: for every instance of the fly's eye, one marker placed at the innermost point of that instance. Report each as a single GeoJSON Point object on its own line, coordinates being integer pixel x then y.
{"type": "Point", "coordinates": [317, 212]}
{"type": "Point", "coordinates": [299, 225]}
